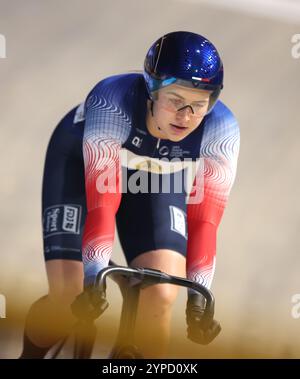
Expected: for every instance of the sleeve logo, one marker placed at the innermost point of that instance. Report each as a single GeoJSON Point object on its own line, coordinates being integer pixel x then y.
{"type": "Point", "coordinates": [61, 219]}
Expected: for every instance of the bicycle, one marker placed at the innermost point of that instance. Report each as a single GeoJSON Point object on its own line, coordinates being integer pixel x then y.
{"type": "Point", "coordinates": [131, 281]}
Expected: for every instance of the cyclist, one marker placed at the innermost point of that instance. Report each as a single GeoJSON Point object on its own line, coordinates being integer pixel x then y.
{"type": "Point", "coordinates": [135, 132]}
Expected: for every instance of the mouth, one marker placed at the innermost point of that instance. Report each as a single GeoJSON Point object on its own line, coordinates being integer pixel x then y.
{"type": "Point", "coordinates": [177, 128]}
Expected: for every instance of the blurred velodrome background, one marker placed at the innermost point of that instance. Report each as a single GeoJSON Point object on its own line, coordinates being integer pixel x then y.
{"type": "Point", "coordinates": [57, 51]}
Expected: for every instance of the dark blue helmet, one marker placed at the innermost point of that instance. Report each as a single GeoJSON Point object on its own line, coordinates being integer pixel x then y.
{"type": "Point", "coordinates": [186, 59]}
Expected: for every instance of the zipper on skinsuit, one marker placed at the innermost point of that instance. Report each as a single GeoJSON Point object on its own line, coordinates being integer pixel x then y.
{"type": "Point", "coordinates": [158, 143]}
{"type": "Point", "coordinates": [156, 147]}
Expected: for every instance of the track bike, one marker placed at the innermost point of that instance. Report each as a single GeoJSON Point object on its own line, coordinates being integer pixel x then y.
{"type": "Point", "coordinates": [131, 281]}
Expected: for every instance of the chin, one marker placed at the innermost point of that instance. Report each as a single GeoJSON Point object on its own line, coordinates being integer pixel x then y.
{"type": "Point", "coordinates": [177, 138]}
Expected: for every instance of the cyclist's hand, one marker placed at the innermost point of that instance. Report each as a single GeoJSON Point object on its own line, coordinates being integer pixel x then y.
{"type": "Point", "coordinates": [89, 305]}
{"type": "Point", "coordinates": [200, 330]}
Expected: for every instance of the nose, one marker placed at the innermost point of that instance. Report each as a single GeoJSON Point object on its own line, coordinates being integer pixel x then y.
{"type": "Point", "coordinates": [185, 112]}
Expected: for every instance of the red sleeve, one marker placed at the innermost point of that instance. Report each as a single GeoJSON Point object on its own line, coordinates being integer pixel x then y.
{"type": "Point", "coordinates": [203, 220]}
{"type": "Point", "coordinates": [215, 179]}
{"type": "Point", "coordinates": [103, 196]}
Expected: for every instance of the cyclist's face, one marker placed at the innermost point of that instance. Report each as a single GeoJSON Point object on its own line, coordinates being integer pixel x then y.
{"type": "Point", "coordinates": [179, 110]}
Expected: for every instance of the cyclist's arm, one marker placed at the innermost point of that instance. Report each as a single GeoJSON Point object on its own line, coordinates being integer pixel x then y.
{"type": "Point", "coordinates": [220, 152]}
{"type": "Point", "coordinates": [103, 137]}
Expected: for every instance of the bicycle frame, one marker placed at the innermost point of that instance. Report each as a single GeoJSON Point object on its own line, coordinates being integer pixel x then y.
{"type": "Point", "coordinates": [138, 278]}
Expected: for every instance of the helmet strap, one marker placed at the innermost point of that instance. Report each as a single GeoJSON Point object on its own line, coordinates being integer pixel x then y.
{"type": "Point", "coordinates": [151, 107]}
